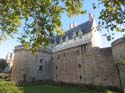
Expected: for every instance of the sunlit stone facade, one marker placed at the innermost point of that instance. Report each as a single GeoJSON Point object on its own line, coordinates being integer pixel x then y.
{"type": "Point", "coordinates": [76, 57]}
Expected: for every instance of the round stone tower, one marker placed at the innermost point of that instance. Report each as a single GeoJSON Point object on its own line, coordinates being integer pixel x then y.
{"type": "Point", "coordinates": [28, 67]}
{"type": "Point", "coordinates": [24, 65]}
{"type": "Point", "coordinates": [118, 50]}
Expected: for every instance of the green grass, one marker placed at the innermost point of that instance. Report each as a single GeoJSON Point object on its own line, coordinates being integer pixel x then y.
{"type": "Point", "coordinates": [56, 89]}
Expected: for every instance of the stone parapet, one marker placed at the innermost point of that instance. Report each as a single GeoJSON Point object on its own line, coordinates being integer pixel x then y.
{"type": "Point", "coordinates": [18, 48]}
{"type": "Point", "coordinates": [120, 40]}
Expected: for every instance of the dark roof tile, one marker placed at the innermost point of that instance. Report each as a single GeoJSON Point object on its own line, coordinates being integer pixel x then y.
{"type": "Point", "coordinates": [84, 27]}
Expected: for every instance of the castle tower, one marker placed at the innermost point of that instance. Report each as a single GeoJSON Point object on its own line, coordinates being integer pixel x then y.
{"type": "Point", "coordinates": [28, 67]}
{"type": "Point", "coordinates": [96, 35]}
{"type": "Point", "coordinates": [118, 50]}
{"type": "Point", "coordinates": [9, 60]}
{"type": "Point", "coordinates": [24, 65]}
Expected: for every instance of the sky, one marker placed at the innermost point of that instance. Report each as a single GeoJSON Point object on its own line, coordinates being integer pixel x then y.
{"type": "Point", "coordinates": [8, 45]}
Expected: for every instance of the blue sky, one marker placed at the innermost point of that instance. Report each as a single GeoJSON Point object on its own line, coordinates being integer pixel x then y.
{"type": "Point", "coordinates": [8, 45]}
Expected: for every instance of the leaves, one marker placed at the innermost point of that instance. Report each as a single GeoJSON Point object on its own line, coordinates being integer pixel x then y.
{"type": "Point", "coordinates": [40, 19]}
{"type": "Point", "coordinates": [3, 64]}
{"type": "Point", "coordinates": [9, 87]}
{"type": "Point", "coordinates": [123, 61]}
{"type": "Point", "coordinates": [112, 15]}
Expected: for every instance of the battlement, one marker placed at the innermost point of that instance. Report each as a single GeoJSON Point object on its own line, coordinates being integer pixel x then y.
{"type": "Point", "coordinates": [120, 40]}
{"type": "Point", "coordinates": [18, 48]}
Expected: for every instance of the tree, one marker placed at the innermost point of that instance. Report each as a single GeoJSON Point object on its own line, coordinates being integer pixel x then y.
{"type": "Point", "coordinates": [112, 16]}
{"type": "Point", "coordinates": [3, 64]}
{"type": "Point", "coordinates": [41, 19]}
{"type": "Point", "coordinates": [9, 87]}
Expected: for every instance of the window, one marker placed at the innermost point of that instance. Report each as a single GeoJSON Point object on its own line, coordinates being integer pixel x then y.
{"type": "Point", "coordinates": [56, 75]}
{"type": "Point", "coordinates": [40, 68]}
{"type": "Point", "coordinates": [36, 55]}
{"type": "Point", "coordinates": [80, 77]}
{"type": "Point", "coordinates": [84, 47]}
{"type": "Point", "coordinates": [56, 67]}
{"type": "Point", "coordinates": [41, 60]}
{"type": "Point", "coordinates": [80, 33]}
{"type": "Point", "coordinates": [58, 56]}
{"type": "Point", "coordinates": [61, 41]}
{"type": "Point", "coordinates": [66, 38]}
{"type": "Point", "coordinates": [64, 54]}
{"type": "Point", "coordinates": [77, 52]}
{"type": "Point", "coordinates": [79, 65]}
{"type": "Point", "coordinates": [52, 58]}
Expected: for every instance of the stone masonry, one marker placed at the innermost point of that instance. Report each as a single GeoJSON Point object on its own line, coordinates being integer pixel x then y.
{"type": "Point", "coordinates": [74, 58]}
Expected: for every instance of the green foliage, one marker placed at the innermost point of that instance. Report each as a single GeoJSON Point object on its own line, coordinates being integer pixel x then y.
{"type": "Point", "coordinates": [5, 76]}
{"type": "Point", "coordinates": [41, 19]}
{"type": "Point", "coordinates": [112, 16]}
{"type": "Point", "coordinates": [3, 63]}
{"type": "Point", "coordinates": [9, 87]}
{"type": "Point", "coordinates": [123, 61]}
{"type": "Point", "coordinates": [108, 91]}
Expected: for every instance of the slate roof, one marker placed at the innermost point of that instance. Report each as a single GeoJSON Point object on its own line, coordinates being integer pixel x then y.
{"type": "Point", "coordinates": [84, 27]}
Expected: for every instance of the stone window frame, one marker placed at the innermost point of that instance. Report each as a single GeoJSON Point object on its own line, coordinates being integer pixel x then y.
{"type": "Point", "coordinates": [56, 67]}
{"type": "Point", "coordinates": [77, 52]}
{"type": "Point", "coordinates": [64, 54]}
{"type": "Point", "coordinates": [79, 65]}
{"type": "Point", "coordinates": [58, 57]}
{"type": "Point", "coordinates": [80, 77]}
{"type": "Point", "coordinates": [41, 68]}
{"type": "Point", "coordinates": [52, 58]}
{"type": "Point", "coordinates": [41, 61]}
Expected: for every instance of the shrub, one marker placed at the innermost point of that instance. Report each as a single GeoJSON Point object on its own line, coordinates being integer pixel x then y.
{"type": "Point", "coordinates": [4, 76]}
{"type": "Point", "coordinates": [123, 61]}
{"type": "Point", "coordinates": [9, 87]}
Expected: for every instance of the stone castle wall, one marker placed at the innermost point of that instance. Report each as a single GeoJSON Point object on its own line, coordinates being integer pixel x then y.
{"type": "Point", "coordinates": [82, 64]}
{"type": "Point", "coordinates": [105, 70]}
{"type": "Point", "coordinates": [118, 48]}
{"type": "Point", "coordinates": [85, 64]}
{"type": "Point", "coordinates": [43, 66]}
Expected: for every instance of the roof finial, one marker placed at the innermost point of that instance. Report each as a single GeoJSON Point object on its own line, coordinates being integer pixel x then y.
{"type": "Point", "coordinates": [74, 24]}
{"type": "Point", "coordinates": [91, 16]}
{"type": "Point", "coordinates": [71, 26]}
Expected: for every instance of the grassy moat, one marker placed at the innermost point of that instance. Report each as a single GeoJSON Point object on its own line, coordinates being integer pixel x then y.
{"type": "Point", "coordinates": [61, 89]}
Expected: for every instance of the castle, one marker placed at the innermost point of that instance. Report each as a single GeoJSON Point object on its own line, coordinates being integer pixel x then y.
{"type": "Point", "coordinates": [75, 57]}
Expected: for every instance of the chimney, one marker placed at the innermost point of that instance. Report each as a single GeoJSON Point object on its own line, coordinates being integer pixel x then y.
{"type": "Point", "coordinates": [74, 24]}
{"type": "Point", "coordinates": [71, 26]}
{"type": "Point", "coordinates": [91, 16]}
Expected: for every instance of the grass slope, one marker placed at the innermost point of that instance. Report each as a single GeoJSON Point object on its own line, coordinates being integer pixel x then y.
{"type": "Point", "coordinates": [55, 89]}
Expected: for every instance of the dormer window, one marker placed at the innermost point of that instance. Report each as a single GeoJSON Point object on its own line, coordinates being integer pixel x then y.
{"type": "Point", "coordinates": [80, 33]}
{"type": "Point", "coordinates": [74, 35]}
{"type": "Point", "coordinates": [55, 42]}
{"type": "Point", "coordinates": [61, 40]}
{"type": "Point", "coordinates": [66, 38]}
